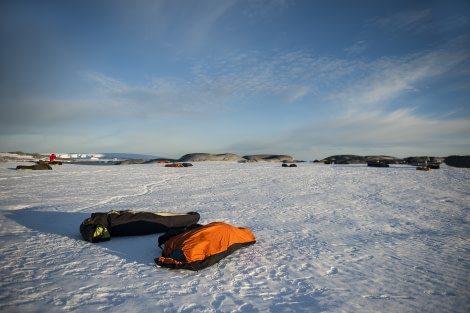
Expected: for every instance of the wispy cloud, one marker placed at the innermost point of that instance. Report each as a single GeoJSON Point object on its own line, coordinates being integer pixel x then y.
{"type": "Point", "coordinates": [426, 21]}
{"type": "Point", "coordinates": [357, 48]}
{"type": "Point", "coordinates": [104, 82]}
{"type": "Point", "coordinates": [349, 87]}
{"type": "Point", "coordinates": [378, 132]}
{"type": "Point", "coordinates": [408, 21]}
{"type": "Point", "coordinates": [158, 99]}
{"type": "Point", "coordinates": [183, 26]}
{"type": "Point", "coordinates": [359, 93]}
{"type": "Point", "coordinates": [365, 115]}
{"type": "Point", "coordinates": [291, 77]}
{"type": "Point", "coordinates": [202, 21]}
{"type": "Point", "coordinates": [390, 78]}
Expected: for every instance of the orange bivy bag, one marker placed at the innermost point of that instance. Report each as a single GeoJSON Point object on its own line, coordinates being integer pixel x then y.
{"type": "Point", "coordinates": [203, 246]}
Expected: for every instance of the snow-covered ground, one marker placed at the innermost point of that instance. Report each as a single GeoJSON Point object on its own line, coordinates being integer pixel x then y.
{"type": "Point", "coordinates": [330, 238]}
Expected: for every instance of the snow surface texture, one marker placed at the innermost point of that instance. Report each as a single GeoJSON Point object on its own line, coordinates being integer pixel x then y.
{"type": "Point", "coordinates": [335, 238]}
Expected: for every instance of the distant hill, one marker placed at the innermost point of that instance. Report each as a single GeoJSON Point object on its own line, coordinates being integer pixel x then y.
{"type": "Point", "coordinates": [361, 159]}
{"type": "Point", "coordinates": [198, 157]}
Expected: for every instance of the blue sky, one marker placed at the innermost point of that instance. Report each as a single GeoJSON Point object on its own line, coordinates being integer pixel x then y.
{"type": "Point", "coordinates": [304, 78]}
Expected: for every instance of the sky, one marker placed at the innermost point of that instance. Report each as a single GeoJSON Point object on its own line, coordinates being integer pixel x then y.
{"type": "Point", "coordinates": [169, 77]}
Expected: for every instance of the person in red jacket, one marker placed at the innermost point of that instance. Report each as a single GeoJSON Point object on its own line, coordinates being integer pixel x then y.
{"type": "Point", "coordinates": [52, 157]}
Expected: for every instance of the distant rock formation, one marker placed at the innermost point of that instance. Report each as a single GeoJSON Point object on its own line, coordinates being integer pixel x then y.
{"type": "Point", "coordinates": [131, 161]}
{"type": "Point", "coordinates": [458, 161]}
{"type": "Point", "coordinates": [199, 157]}
{"type": "Point", "coordinates": [423, 160]}
{"type": "Point", "coordinates": [359, 159]}
{"type": "Point", "coordinates": [268, 158]}
{"type": "Point", "coordinates": [143, 161]}
{"type": "Point", "coordinates": [453, 160]}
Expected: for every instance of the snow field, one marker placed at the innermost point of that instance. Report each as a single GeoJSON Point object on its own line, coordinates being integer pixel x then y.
{"type": "Point", "coordinates": [329, 239]}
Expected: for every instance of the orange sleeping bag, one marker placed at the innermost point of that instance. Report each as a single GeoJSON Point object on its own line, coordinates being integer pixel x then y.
{"type": "Point", "coordinates": [204, 246]}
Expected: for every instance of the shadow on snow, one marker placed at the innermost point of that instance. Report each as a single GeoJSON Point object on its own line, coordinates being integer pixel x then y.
{"type": "Point", "coordinates": [140, 249]}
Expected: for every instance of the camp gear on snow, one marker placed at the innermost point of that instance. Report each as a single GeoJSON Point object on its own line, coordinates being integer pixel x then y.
{"type": "Point", "coordinates": [174, 232]}
{"type": "Point", "coordinates": [178, 165]}
{"type": "Point", "coordinates": [40, 166]}
{"type": "Point", "coordinates": [424, 168]}
{"type": "Point", "coordinates": [378, 163]}
{"type": "Point", "coordinates": [289, 165]}
{"type": "Point", "coordinates": [101, 233]}
{"type": "Point", "coordinates": [55, 163]}
{"type": "Point", "coordinates": [103, 226]}
{"type": "Point", "coordinates": [202, 246]}
{"type": "Point", "coordinates": [49, 163]}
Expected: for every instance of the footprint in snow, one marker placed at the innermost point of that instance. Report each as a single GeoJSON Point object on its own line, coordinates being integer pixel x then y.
{"type": "Point", "coordinates": [333, 270]}
{"type": "Point", "coordinates": [217, 302]}
{"type": "Point", "coordinates": [248, 308]}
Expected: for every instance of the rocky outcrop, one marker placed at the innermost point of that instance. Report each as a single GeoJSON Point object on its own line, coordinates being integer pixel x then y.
{"type": "Point", "coordinates": [268, 158]}
{"type": "Point", "coordinates": [199, 157]}
{"type": "Point", "coordinates": [423, 160]}
{"type": "Point", "coordinates": [131, 161]}
{"type": "Point", "coordinates": [458, 161]}
{"type": "Point", "coordinates": [143, 161]}
{"type": "Point", "coordinates": [430, 161]}
{"type": "Point", "coordinates": [359, 159]}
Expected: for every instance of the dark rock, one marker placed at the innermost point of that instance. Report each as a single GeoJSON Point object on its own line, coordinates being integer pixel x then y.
{"type": "Point", "coordinates": [359, 159]}
{"type": "Point", "coordinates": [268, 158]}
{"type": "Point", "coordinates": [422, 160]}
{"type": "Point", "coordinates": [458, 161]}
{"type": "Point", "coordinates": [199, 157]}
{"type": "Point", "coordinates": [131, 161]}
{"type": "Point", "coordinates": [417, 160]}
